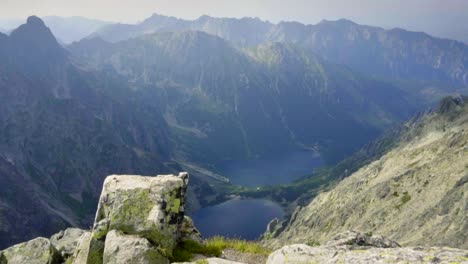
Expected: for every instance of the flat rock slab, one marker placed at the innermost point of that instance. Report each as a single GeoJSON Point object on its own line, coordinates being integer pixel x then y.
{"type": "Point", "coordinates": [211, 261]}
{"type": "Point", "coordinates": [36, 251]}
{"type": "Point", "coordinates": [300, 253]}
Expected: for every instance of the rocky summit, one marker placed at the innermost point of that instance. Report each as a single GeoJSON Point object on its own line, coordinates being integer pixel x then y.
{"type": "Point", "coordinates": [141, 220]}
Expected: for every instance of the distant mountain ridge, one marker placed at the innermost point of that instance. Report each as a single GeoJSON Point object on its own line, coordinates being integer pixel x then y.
{"type": "Point", "coordinates": [66, 29]}
{"type": "Point", "coordinates": [394, 53]}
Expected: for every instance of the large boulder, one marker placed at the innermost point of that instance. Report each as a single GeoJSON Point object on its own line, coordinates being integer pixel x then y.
{"type": "Point", "coordinates": [36, 251]}
{"type": "Point", "coordinates": [66, 241]}
{"type": "Point", "coordinates": [151, 207]}
{"type": "Point", "coordinates": [148, 211]}
{"type": "Point", "coordinates": [123, 249]}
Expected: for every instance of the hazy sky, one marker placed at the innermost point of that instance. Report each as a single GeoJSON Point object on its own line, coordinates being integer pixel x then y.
{"type": "Point", "coordinates": [425, 15]}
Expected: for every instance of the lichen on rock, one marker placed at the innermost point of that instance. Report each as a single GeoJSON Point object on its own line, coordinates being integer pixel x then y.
{"type": "Point", "coordinates": [148, 211]}
{"type": "Point", "coordinates": [121, 249]}
{"type": "Point", "coordinates": [66, 241]}
{"type": "Point", "coordinates": [36, 251]}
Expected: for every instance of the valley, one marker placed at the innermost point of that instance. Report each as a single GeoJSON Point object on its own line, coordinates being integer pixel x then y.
{"type": "Point", "coordinates": [291, 133]}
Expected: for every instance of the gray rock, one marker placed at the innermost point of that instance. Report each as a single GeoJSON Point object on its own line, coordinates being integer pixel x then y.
{"type": "Point", "coordinates": [300, 253]}
{"type": "Point", "coordinates": [123, 249]}
{"type": "Point", "coordinates": [66, 241]}
{"type": "Point", "coordinates": [188, 231]}
{"type": "Point", "coordinates": [151, 207]}
{"type": "Point", "coordinates": [358, 239]}
{"type": "Point", "coordinates": [36, 251]}
{"type": "Point", "coordinates": [211, 261]}
{"type": "Point", "coordinates": [88, 251]}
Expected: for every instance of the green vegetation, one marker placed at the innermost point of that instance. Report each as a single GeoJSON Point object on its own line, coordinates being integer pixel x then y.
{"type": "Point", "coordinates": [213, 247]}
{"type": "Point", "coordinates": [237, 244]}
{"type": "Point", "coordinates": [186, 249]}
{"type": "Point", "coordinates": [405, 198]}
{"type": "Point", "coordinates": [313, 243]}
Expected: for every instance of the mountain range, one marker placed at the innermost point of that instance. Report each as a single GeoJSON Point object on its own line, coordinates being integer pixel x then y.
{"type": "Point", "coordinates": [394, 53]}
{"type": "Point", "coordinates": [168, 95]}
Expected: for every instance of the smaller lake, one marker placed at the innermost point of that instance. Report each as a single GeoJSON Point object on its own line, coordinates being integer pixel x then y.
{"type": "Point", "coordinates": [245, 219]}
{"type": "Point", "coordinates": [270, 170]}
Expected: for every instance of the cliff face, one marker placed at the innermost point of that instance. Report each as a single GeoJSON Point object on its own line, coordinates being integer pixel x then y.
{"type": "Point", "coordinates": [415, 194]}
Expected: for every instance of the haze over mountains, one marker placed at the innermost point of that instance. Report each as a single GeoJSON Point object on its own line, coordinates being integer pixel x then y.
{"type": "Point", "coordinates": [392, 53]}
{"type": "Point", "coordinates": [65, 29]}
{"type": "Point", "coordinates": [168, 95]}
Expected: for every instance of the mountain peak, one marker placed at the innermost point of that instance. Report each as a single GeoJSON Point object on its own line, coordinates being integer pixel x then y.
{"type": "Point", "coordinates": [35, 21]}
{"type": "Point", "coordinates": [204, 17]}
{"type": "Point", "coordinates": [156, 18]}
{"type": "Point", "coordinates": [33, 44]}
{"type": "Point", "coordinates": [342, 21]}
{"type": "Point", "coordinates": [35, 29]}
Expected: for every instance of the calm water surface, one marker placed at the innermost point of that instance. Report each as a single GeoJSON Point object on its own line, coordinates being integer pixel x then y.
{"type": "Point", "coordinates": [246, 219]}
{"type": "Point", "coordinates": [270, 170]}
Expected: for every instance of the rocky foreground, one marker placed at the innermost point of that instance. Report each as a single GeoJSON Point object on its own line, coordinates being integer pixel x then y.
{"type": "Point", "coordinates": [141, 220]}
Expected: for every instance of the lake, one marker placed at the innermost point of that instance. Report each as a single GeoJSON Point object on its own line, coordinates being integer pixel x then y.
{"type": "Point", "coordinates": [246, 219]}
{"type": "Point", "coordinates": [270, 170]}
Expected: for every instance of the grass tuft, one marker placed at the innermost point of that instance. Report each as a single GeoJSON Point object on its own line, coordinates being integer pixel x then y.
{"type": "Point", "coordinates": [244, 246]}
{"type": "Point", "coordinates": [186, 249]}
{"type": "Point", "coordinates": [213, 247]}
